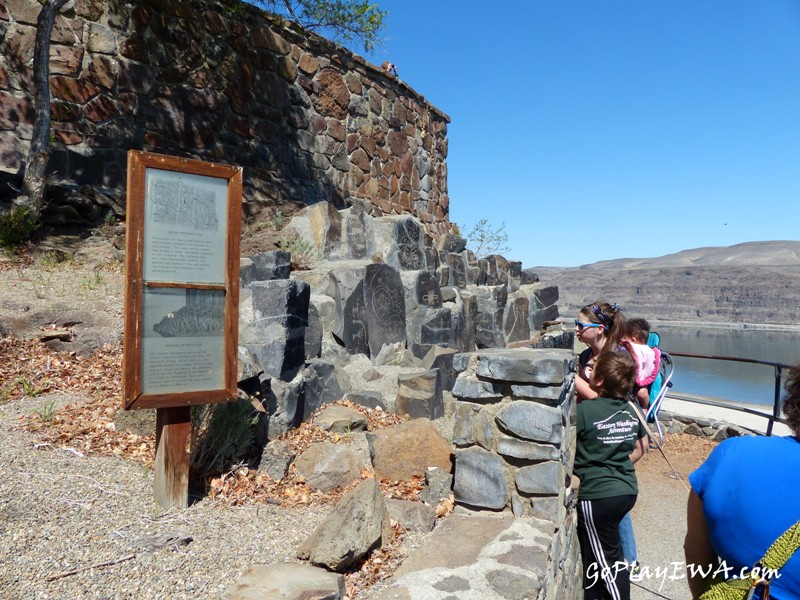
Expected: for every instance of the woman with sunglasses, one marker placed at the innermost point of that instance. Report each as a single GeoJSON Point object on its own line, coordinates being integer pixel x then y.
{"type": "Point", "coordinates": [601, 326]}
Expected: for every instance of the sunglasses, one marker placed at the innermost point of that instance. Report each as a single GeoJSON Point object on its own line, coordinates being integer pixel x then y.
{"type": "Point", "coordinates": [581, 326]}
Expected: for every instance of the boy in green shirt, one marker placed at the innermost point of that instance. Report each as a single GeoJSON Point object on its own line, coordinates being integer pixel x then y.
{"type": "Point", "coordinates": [610, 438]}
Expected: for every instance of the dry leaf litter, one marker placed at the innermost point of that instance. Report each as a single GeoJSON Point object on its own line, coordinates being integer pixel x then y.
{"type": "Point", "coordinates": [76, 498]}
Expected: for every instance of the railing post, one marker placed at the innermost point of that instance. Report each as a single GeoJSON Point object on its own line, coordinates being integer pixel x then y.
{"type": "Point", "coordinates": [776, 403]}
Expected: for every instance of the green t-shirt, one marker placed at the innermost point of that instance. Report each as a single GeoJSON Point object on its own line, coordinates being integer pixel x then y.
{"type": "Point", "coordinates": [607, 430]}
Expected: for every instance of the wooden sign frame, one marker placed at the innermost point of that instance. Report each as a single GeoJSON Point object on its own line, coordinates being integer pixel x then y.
{"type": "Point", "coordinates": [182, 250]}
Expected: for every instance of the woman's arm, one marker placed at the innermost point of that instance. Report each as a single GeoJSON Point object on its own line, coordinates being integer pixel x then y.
{"type": "Point", "coordinates": [697, 546]}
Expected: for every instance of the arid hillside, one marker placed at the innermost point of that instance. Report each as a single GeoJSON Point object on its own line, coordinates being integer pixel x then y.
{"type": "Point", "coordinates": [756, 282]}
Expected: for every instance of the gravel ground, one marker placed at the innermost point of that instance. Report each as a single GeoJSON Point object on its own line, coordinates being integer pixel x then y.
{"type": "Point", "coordinates": [61, 512]}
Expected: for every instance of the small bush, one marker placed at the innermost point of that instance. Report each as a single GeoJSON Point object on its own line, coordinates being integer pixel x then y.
{"type": "Point", "coordinates": [16, 227]}
{"type": "Point", "coordinates": [222, 436]}
{"type": "Point", "coordinates": [304, 253]}
{"type": "Point", "coordinates": [485, 239]}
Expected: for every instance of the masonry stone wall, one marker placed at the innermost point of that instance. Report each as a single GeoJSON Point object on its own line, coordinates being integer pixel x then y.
{"type": "Point", "coordinates": [515, 446]}
{"type": "Point", "coordinates": [222, 81]}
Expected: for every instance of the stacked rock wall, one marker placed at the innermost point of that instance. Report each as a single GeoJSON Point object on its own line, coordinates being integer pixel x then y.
{"type": "Point", "coordinates": [386, 294]}
{"type": "Point", "coordinates": [221, 81]}
{"type": "Point", "coordinates": [515, 446]}
{"type": "Point", "coordinates": [391, 282]}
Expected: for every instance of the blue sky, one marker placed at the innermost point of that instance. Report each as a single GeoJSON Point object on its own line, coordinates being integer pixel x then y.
{"type": "Point", "coordinates": [609, 129]}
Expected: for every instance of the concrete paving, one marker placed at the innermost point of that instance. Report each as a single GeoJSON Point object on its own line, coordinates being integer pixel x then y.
{"type": "Point", "coordinates": [470, 557]}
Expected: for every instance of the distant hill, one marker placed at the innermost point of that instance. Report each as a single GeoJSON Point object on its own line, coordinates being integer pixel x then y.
{"type": "Point", "coordinates": [756, 282]}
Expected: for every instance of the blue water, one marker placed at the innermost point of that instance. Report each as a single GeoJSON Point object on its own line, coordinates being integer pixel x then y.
{"type": "Point", "coordinates": [735, 381]}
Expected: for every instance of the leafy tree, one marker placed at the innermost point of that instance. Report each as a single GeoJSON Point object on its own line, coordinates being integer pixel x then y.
{"type": "Point", "coordinates": [347, 20]}
{"type": "Point", "coordinates": [484, 239]}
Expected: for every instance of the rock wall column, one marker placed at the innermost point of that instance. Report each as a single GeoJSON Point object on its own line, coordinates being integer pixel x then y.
{"type": "Point", "coordinates": [515, 444]}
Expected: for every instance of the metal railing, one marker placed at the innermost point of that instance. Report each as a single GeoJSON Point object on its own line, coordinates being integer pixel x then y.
{"type": "Point", "coordinates": [776, 403]}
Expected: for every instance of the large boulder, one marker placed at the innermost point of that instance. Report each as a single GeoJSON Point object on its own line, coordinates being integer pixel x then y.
{"type": "Point", "coordinates": [326, 466]}
{"type": "Point", "coordinates": [408, 449]}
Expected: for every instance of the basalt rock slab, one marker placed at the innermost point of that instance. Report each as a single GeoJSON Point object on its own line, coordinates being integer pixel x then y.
{"type": "Point", "coordinates": [384, 306]}
{"type": "Point", "coordinates": [366, 398]}
{"type": "Point", "coordinates": [355, 233]}
{"type": "Point", "coordinates": [340, 419]}
{"type": "Point", "coordinates": [265, 266]}
{"type": "Point", "coordinates": [427, 291]}
{"type": "Point", "coordinates": [441, 358]}
{"type": "Point", "coordinates": [457, 270]}
{"type": "Point", "coordinates": [287, 581]}
{"type": "Point", "coordinates": [480, 479]}
{"type": "Point", "coordinates": [515, 319]}
{"type": "Point", "coordinates": [284, 405]}
{"type": "Point", "coordinates": [543, 305]}
{"type": "Point", "coordinates": [275, 459]}
{"type": "Point", "coordinates": [542, 478]}
{"type": "Point", "coordinates": [273, 316]}
{"type": "Point", "coordinates": [531, 421]}
{"type": "Point", "coordinates": [320, 223]}
{"type": "Point", "coordinates": [489, 320]}
{"type": "Point", "coordinates": [464, 313]}
{"type": "Point", "coordinates": [313, 333]}
{"type": "Point", "coordinates": [407, 253]}
{"type": "Point", "coordinates": [438, 486]}
{"type": "Point", "coordinates": [324, 382]}
{"type": "Point", "coordinates": [346, 287]}
{"type": "Point", "coordinates": [358, 523]}
{"type": "Point", "coordinates": [413, 516]}
{"type": "Point", "coordinates": [524, 365]}
{"type": "Point", "coordinates": [420, 395]}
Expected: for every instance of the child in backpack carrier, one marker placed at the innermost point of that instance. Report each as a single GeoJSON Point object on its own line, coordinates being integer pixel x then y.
{"type": "Point", "coordinates": [647, 359]}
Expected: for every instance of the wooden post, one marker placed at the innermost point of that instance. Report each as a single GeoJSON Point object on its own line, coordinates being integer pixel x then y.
{"type": "Point", "coordinates": [173, 428]}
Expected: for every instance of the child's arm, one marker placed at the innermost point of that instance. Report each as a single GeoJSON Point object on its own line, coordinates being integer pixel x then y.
{"type": "Point", "coordinates": [583, 389]}
{"type": "Point", "coordinates": [638, 450]}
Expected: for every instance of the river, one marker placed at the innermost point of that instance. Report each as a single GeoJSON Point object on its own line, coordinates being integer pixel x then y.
{"type": "Point", "coordinates": [735, 381]}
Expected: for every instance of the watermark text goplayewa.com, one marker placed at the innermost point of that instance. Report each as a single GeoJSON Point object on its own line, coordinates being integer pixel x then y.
{"type": "Point", "coordinates": [679, 570]}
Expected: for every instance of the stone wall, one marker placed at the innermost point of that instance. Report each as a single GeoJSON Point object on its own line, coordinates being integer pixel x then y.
{"type": "Point", "coordinates": [515, 446]}
{"type": "Point", "coordinates": [221, 81]}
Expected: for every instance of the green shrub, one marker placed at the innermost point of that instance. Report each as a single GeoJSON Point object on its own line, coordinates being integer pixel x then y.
{"type": "Point", "coordinates": [16, 227]}
{"type": "Point", "coordinates": [304, 253]}
{"type": "Point", "coordinates": [222, 436]}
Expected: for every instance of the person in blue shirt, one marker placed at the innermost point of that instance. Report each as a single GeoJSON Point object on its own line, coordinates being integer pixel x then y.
{"type": "Point", "coordinates": [745, 496]}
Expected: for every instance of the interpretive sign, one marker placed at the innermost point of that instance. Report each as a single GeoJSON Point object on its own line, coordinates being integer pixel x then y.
{"type": "Point", "coordinates": [182, 296]}
{"type": "Point", "coordinates": [181, 300]}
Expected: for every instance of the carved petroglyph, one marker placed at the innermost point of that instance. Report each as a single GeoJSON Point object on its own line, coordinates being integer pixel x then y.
{"type": "Point", "coordinates": [384, 302]}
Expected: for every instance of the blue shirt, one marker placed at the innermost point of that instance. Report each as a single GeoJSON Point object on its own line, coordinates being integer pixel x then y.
{"type": "Point", "coordinates": [750, 488]}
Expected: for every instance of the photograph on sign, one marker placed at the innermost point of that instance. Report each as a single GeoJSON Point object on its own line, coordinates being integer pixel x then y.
{"type": "Point", "coordinates": [185, 227]}
{"type": "Point", "coordinates": [183, 341]}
